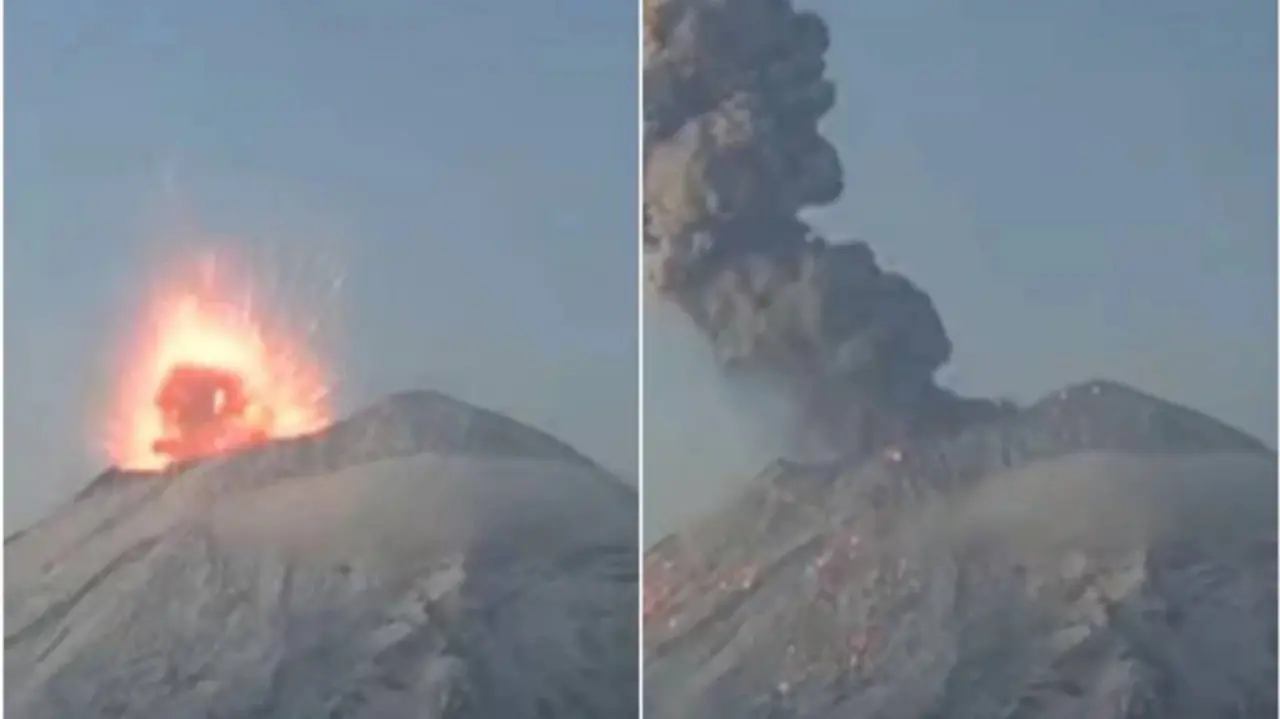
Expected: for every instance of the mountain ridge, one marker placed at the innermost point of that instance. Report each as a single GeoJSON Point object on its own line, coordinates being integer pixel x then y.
{"type": "Point", "coordinates": [421, 558]}
{"type": "Point", "coordinates": [750, 610]}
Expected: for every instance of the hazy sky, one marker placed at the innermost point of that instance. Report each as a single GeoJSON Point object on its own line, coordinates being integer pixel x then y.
{"type": "Point", "coordinates": [1086, 188]}
{"type": "Point", "coordinates": [472, 165]}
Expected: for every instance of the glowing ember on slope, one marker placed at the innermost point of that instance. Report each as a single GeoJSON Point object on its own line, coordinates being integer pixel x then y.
{"type": "Point", "coordinates": [212, 373]}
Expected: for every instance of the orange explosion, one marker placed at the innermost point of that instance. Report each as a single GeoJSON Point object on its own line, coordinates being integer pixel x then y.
{"type": "Point", "coordinates": [199, 331]}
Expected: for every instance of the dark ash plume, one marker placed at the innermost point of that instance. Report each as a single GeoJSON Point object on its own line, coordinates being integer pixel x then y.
{"type": "Point", "coordinates": [734, 90]}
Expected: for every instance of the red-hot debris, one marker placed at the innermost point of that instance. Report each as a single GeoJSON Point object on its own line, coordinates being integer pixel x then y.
{"type": "Point", "coordinates": [659, 586]}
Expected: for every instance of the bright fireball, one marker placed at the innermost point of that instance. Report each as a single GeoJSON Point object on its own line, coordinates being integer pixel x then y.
{"type": "Point", "coordinates": [200, 324]}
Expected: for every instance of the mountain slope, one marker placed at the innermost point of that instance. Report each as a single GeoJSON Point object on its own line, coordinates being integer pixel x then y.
{"type": "Point", "coordinates": [423, 558]}
{"type": "Point", "coordinates": [1102, 553]}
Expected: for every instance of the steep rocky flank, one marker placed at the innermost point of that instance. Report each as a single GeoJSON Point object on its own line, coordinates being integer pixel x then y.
{"type": "Point", "coordinates": [424, 558]}
{"type": "Point", "coordinates": [1102, 553]}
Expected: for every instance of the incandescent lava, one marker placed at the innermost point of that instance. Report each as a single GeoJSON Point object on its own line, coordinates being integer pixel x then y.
{"type": "Point", "coordinates": [212, 373]}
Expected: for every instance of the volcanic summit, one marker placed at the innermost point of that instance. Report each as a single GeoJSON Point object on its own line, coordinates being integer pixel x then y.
{"type": "Point", "coordinates": [421, 558]}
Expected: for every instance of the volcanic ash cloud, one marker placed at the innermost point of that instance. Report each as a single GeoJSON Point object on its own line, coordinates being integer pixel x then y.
{"type": "Point", "coordinates": [734, 90]}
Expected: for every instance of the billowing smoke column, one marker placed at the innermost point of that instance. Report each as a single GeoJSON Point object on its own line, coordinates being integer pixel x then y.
{"type": "Point", "coordinates": [734, 90]}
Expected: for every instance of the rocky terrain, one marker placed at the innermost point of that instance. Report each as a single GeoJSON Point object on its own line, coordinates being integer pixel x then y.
{"type": "Point", "coordinates": [423, 558]}
{"type": "Point", "coordinates": [1102, 553]}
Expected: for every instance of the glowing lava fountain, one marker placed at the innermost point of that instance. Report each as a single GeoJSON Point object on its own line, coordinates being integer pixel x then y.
{"type": "Point", "coordinates": [211, 373]}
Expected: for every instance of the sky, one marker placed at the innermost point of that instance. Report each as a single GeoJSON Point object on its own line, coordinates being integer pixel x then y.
{"type": "Point", "coordinates": [1085, 188]}
{"type": "Point", "coordinates": [470, 166]}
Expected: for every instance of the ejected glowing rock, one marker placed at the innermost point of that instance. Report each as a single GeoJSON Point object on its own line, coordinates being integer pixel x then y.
{"type": "Point", "coordinates": [423, 558]}
{"type": "Point", "coordinates": [211, 371]}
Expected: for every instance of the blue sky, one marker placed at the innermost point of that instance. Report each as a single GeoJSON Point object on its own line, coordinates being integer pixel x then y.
{"type": "Point", "coordinates": [471, 165]}
{"type": "Point", "coordinates": [1086, 188]}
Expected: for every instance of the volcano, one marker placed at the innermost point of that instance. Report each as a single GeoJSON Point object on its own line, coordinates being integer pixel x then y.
{"type": "Point", "coordinates": [1101, 553]}
{"type": "Point", "coordinates": [421, 558]}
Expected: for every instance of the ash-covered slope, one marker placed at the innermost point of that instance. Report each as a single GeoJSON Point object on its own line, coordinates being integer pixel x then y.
{"type": "Point", "coordinates": [1100, 554]}
{"type": "Point", "coordinates": [424, 558]}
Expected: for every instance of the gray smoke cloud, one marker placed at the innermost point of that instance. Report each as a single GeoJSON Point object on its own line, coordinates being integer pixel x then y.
{"type": "Point", "coordinates": [734, 91]}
